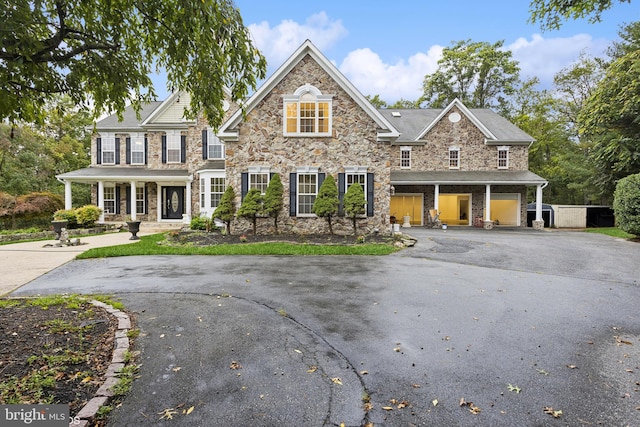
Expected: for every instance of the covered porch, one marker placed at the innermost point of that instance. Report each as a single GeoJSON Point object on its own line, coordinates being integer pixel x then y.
{"type": "Point", "coordinates": [135, 194]}
{"type": "Point", "coordinates": [471, 198]}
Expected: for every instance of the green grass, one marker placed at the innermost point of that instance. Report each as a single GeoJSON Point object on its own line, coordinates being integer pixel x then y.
{"type": "Point", "coordinates": [611, 231]}
{"type": "Point", "coordinates": [149, 245]}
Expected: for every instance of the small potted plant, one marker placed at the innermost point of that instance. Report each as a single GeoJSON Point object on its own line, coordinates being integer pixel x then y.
{"type": "Point", "coordinates": [134, 228]}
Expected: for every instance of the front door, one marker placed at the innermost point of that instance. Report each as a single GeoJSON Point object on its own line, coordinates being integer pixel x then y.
{"type": "Point", "coordinates": [172, 202]}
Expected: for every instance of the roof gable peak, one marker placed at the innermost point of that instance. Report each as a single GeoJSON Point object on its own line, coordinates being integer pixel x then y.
{"type": "Point", "coordinates": [464, 110]}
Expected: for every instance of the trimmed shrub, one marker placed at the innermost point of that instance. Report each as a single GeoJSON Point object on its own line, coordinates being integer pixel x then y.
{"type": "Point", "coordinates": [200, 223]}
{"type": "Point", "coordinates": [273, 203]}
{"type": "Point", "coordinates": [226, 209]}
{"type": "Point", "coordinates": [251, 207]}
{"type": "Point", "coordinates": [626, 204]}
{"type": "Point", "coordinates": [327, 202]}
{"type": "Point", "coordinates": [68, 215]}
{"type": "Point", "coordinates": [87, 215]}
{"type": "Point", "coordinates": [354, 204]}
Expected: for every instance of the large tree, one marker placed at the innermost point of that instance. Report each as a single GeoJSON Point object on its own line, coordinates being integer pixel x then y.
{"type": "Point", "coordinates": [102, 52]}
{"type": "Point", "coordinates": [480, 74]}
{"type": "Point", "coordinates": [551, 13]}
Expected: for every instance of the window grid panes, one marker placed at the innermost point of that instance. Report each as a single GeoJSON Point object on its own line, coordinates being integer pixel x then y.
{"type": "Point", "coordinates": [214, 146]}
{"type": "Point", "coordinates": [259, 181]}
{"type": "Point", "coordinates": [307, 192]}
{"type": "Point", "coordinates": [405, 158]}
{"type": "Point", "coordinates": [137, 152]}
{"type": "Point", "coordinates": [217, 190]}
{"type": "Point", "coordinates": [454, 158]}
{"type": "Point", "coordinates": [503, 158]}
{"type": "Point", "coordinates": [308, 117]}
{"type": "Point", "coordinates": [108, 151]}
{"type": "Point", "coordinates": [173, 149]}
{"type": "Point", "coordinates": [202, 192]}
{"type": "Point", "coordinates": [109, 195]}
{"type": "Point", "coordinates": [140, 200]}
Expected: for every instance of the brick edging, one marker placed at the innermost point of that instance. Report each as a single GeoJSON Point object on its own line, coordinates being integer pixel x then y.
{"type": "Point", "coordinates": [105, 392]}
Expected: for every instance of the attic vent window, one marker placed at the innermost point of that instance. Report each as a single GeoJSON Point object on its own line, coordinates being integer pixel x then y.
{"type": "Point", "coordinates": [454, 117]}
{"type": "Point", "coordinates": [396, 114]}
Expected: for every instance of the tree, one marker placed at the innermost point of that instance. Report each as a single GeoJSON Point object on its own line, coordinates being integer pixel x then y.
{"type": "Point", "coordinates": [480, 74]}
{"type": "Point", "coordinates": [251, 207]}
{"type": "Point", "coordinates": [376, 101]}
{"type": "Point", "coordinates": [405, 103]}
{"type": "Point", "coordinates": [226, 209]}
{"type": "Point", "coordinates": [354, 204]}
{"type": "Point", "coordinates": [551, 13]}
{"type": "Point", "coordinates": [626, 204]}
{"type": "Point", "coordinates": [273, 203]}
{"type": "Point", "coordinates": [327, 202]}
{"type": "Point", "coordinates": [104, 52]}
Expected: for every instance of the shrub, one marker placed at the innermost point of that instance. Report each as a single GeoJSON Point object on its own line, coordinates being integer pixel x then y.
{"type": "Point", "coordinates": [354, 204]}
{"type": "Point", "coordinates": [251, 207]}
{"type": "Point", "coordinates": [200, 223]}
{"type": "Point", "coordinates": [87, 215]}
{"type": "Point", "coordinates": [626, 204]}
{"type": "Point", "coordinates": [273, 203]}
{"type": "Point", "coordinates": [68, 215]}
{"type": "Point", "coordinates": [327, 202]}
{"type": "Point", "coordinates": [226, 209]}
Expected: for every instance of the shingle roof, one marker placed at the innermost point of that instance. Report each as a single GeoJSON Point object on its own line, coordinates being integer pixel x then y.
{"type": "Point", "coordinates": [129, 119]}
{"type": "Point", "coordinates": [92, 174]}
{"type": "Point", "coordinates": [410, 122]}
{"type": "Point", "coordinates": [466, 177]}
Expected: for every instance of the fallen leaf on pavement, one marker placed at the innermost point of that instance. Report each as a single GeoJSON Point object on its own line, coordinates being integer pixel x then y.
{"type": "Point", "coordinates": [434, 402]}
{"type": "Point", "coordinates": [176, 369]}
{"type": "Point", "coordinates": [514, 388]}
{"type": "Point", "coordinates": [549, 410]}
{"type": "Point", "coordinates": [235, 365]}
{"type": "Point", "coordinates": [387, 408]}
{"type": "Point", "coordinates": [312, 369]}
{"type": "Point", "coordinates": [168, 413]}
{"type": "Point", "coordinates": [190, 410]}
{"type": "Point", "coordinates": [572, 367]}
{"type": "Point", "coordinates": [336, 380]}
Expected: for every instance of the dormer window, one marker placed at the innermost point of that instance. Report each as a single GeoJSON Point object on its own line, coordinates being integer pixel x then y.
{"type": "Point", "coordinates": [307, 112]}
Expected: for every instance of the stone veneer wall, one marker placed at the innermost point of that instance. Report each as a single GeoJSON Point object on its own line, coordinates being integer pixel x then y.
{"type": "Point", "coordinates": [352, 143]}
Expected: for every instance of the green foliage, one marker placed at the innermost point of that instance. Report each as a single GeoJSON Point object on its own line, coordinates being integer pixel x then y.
{"type": "Point", "coordinates": [86, 216]}
{"type": "Point", "coordinates": [376, 101]}
{"type": "Point", "coordinates": [105, 52]}
{"type": "Point", "coordinates": [273, 203]}
{"type": "Point", "coordinates": [226, 209]}
{"type": "Point", "coordinates": [327, 202]}
{"type": "Point", "coordinates": [479, 74]}
{"type": "Point", "coordinates": [626, 204]}
{"type": "Point", "coordinates": [551, 13]}
{"type": "Point", "coordinates": [200, 223]}
{"type": "Point", "coordinates": [28, 209]}
{"type": "Point", "coordinates": [354, 204]}
{"type": "Point", "coordinates": [251, 207]}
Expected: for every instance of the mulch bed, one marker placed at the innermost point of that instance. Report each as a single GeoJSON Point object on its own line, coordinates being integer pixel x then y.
{"type": "Point", "coordinates": [202, 238]}
{"type": "Point", "coordinates": [33, 344]}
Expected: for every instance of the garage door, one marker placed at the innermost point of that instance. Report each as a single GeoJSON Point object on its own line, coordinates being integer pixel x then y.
{"type": "Point", "coordinates": [407, 204]}
{"type": "Point", "coordinates": [505, 209]}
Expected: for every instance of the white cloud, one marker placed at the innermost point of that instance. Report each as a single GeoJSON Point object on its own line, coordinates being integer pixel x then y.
{"type": "Point", "coordinates": [278, 42]}
{"type": "Point", "coordinates": [367, 71]}
{"type": "Point", "coordinates": [544, 57]}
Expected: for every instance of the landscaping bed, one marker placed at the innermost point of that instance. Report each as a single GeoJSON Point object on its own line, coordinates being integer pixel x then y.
{"type": "Point", "coordinates": [201, 238]}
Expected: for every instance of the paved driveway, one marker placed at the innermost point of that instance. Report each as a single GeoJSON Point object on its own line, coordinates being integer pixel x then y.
{"type": "Point", "coordinates": [462, 316]}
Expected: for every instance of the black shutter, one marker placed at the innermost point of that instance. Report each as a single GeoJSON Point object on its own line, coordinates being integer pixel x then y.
{"type": "Point", "coordinates": [370, 194]}
{"type": "Point", "coordinates": [128, 150]}
{"type": "Point", "coordinates": [117, 199]}
{"type": "Point", "coordinates": [183, 148]}
{"type": "Point", "coordinates": [117, 151]}
{"type": "Point", "coordinates": [321, 176]}
{"type": "Point", "coordinates": [205, 148]}
{"type": "Point", "coordinates": [341, 184]}
{"type": "Point", "coordinates": [146, 199]}
{"type": "Point", "coordinates": [98, 151]}
{"type": "Point", "coordinates": [164, 148]}
{"type": "Point", "coordinates": [128, 201]}
{"type": "Point", "coordinates": [146, 150]}
{"type": "Point", "coordinates": [244, 185]}
{"type": "Point", "coordinates": [293, 193]}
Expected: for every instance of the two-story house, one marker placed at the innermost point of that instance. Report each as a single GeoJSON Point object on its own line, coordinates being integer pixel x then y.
{"type": "Point", "coordinates": [306, 121]}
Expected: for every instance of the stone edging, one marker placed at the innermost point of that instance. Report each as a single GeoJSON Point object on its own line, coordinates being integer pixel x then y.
{"type": "Point", "coordinates": [104, 393]}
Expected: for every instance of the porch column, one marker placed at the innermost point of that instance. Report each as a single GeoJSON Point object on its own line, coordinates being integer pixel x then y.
{"type": "Point", "coordinates": [488, 224]}
{"type": "Point", "coordinates": [68, 200]}
{"type": "Point", "coordinates": [132, 201]}
{"type": "Point", "coordinates": [436, 196]}
{"type": "Point", "coordinates": [187, 217]}
{"type": "Point", "coordinates": [538, 224]}
{"type": "Point", "coordinates": [101, 200]}
{"type": "Point", "coordinates": [159, 202]}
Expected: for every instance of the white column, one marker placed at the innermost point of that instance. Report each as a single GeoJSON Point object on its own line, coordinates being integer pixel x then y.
{"type": "Point", "coordinates": [159, 202]}
{"type": "Point", "coordinates": [187, 217]}
{"type": "Point", "coordinates": [487, 202]}
{"type": "Point", "coordinates": [101, 199]}
{"type": "Point", "coordinates": [68, 200]}
{"type": "Point", "coordinates": [132, 201]}
{"type": "Point", "coordinates": [539, 203]}
{"type": "Point", "coordinates": [436, 196]}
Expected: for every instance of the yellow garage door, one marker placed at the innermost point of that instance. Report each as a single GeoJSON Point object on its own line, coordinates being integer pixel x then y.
{"type": "Point", "coordinates": [407, 204]}
{"type": "Point", "coordinates": [505, 209]}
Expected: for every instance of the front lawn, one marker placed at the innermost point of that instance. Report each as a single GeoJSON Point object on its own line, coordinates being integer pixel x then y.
{"type": "Point", "coordinates": [611, 231]}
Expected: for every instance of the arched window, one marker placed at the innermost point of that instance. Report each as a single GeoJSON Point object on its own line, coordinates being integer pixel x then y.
{"type": "Point", "coordinates": [307, 112]}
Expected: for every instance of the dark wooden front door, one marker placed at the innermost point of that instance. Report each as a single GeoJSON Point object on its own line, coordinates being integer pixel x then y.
{"type": "Point", "coordinates": [173, 202]}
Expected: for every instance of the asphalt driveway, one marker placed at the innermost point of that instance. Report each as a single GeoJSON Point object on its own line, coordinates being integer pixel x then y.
{"type": "Point", "coordinates": [516, 325]}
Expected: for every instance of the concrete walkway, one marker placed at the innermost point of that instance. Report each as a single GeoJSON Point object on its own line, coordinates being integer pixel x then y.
{"type": "Point", "coordinates": [20, 263]}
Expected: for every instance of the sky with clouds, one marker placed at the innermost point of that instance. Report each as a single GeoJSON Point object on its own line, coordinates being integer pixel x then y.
{"type": "Point", "coordinates": [387, 47]}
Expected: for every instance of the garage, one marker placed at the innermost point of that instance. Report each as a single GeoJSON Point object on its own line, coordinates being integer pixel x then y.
{"type": "Point", "coordinates": [407, 204]}
{"type": "Point", "coordinates": [505, 209]}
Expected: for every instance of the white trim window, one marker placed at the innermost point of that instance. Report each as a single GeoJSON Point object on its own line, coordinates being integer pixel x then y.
{"type": "Point", "coordinates": [108, 150]}
{"type": "Point", "coordinates": [212, 187]}
{"type": "Point", "coordinates": [140, 201]}
{"type": "Point", "coordinates": [454, 157]}
{"type": "Point", "coordinates": [503, 157]}
{"type": "Point", "coordinates": [215, 147]}
{"type": "Point", "coordinates": [405, 157]}
{"type": "Point", "coordinates": [173, 147]}
{"type": "Point", "coordinates": [137, 150]}
{"type": "Point", "coordinates": [307, 188]}
{"type": "Point", "coordinates": [216, 190]}
{"type": "Point", "coordinates": [307, 113]}
{"type": "Point", "coordinates": [354, 176]}
{"type": "Point", "coordinates": [109, 199]}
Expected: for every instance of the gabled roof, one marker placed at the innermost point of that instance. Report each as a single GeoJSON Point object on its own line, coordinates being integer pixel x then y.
{"type": "Point", "coordinates": [414, 124]}
{"type": "Point", "coordinates": [466, 177]}
{"type": "Point", "coordinates": [129, 120]}
{"type": "Point", "coordinates": [386, 130]}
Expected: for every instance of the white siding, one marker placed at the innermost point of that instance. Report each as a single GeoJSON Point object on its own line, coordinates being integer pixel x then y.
{"type": "Point", "coordinates": [175, 112]}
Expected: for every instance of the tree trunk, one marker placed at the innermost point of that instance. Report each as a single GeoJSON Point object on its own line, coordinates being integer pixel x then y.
{"type": "Point", "coordinates": [330, 225]}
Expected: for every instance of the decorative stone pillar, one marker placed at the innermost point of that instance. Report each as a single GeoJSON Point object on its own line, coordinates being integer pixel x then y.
{"type": "Point", "coordinates": [538, 225]}
{"type": "Point", "coordinates": [488, 225]}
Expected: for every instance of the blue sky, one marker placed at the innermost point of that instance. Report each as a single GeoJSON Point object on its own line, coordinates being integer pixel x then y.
{"type": "Point", "coordinates": [387, 47]}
